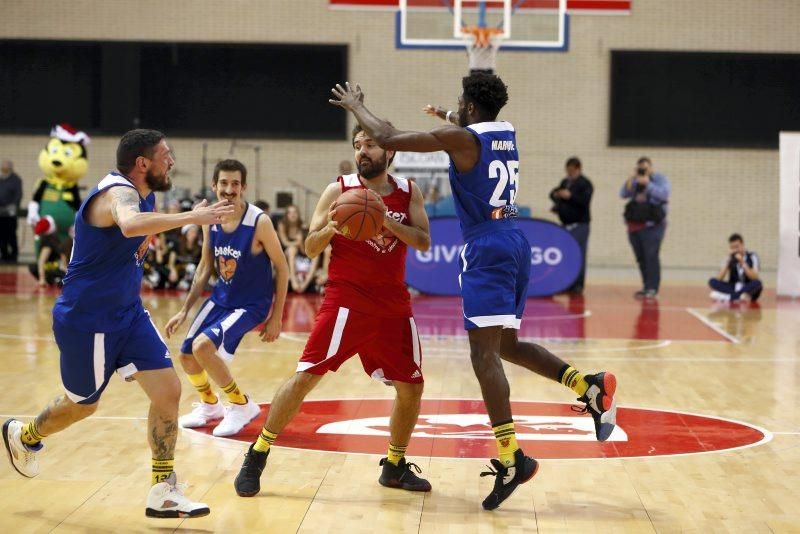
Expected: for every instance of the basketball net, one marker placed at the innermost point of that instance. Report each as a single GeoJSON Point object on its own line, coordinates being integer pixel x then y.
{"type": "Point", "coordinates": [482, 46]}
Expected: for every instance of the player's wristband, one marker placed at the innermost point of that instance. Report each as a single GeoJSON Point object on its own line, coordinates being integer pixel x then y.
{"type": "Point", "coordinates": [447, 116]}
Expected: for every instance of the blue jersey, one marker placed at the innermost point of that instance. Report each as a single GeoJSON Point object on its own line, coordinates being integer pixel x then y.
{"type": "Point", "coordinates": [488, 191]}
{"type": "Point", "coordinates": [101, 288]}
{"type": "Point", "coordinates": [245, 281]}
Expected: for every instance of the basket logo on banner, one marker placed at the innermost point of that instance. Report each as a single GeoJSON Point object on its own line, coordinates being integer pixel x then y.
{"type": "Point", "coordinates": [555, 258]}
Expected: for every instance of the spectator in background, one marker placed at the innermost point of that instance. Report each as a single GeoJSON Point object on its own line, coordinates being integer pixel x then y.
{"type": "Point", "coordinates": [292, 235]}
{"type": "Point", "coordinates": [263, 205]}
{"type": "Point", "coordinates": [345, 167]}
{"type": "Point", "coordinates": [741, 268]}
{"type": "Point", "coordinates": [571, 201]}
{"type": "Point", "coordinates": [51, 265]}
{"type": "Point", "coordinates": [184, 259]}
{"type": "Point", "coordinates": [10, 197]}
{"type": "Point", "coordinates": [645, 216]}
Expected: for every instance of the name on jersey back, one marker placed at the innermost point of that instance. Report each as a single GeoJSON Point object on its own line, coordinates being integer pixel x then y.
{"type": "Point", "coordinates": [502, 145]}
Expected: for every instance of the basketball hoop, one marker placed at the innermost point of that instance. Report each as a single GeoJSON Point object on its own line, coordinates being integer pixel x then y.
{"type": "Point", "coordinates": [481, 36]}
{"type": "Point", "coordinates": [482, 46]}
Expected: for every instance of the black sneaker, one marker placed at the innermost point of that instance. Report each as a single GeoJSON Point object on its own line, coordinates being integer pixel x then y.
{"type": "Point", "coordinates": [508, 478]}
{"type": "Point", "coordinates": [248, 481]}
{"type": "Point", "coordinates": [600, 402]}
{"type": "Point", "coordinates": [401, 476]}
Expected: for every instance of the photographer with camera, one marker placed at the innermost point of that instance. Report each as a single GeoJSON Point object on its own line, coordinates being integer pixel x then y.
{"type": "Point", "coordinates": [645, 216]}
{"type": "Point", "coordinates": [741, 268]}
{"type": "Point", "coordinates": [571, 202]}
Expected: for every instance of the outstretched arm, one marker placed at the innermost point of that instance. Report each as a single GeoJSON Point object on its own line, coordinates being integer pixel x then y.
{"type": "Point", "coordinates": [124, 210]}
{"type": "Point", "coordinates": [460, 144]}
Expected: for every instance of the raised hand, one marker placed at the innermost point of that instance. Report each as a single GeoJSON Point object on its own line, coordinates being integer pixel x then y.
{"type": "Point", "coordinates": [347, 97]}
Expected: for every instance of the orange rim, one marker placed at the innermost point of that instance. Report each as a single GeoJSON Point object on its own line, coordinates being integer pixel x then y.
{"type": "Point", "coordinates": [483, 36]}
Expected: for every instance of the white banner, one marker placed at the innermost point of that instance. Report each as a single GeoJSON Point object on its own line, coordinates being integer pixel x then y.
{"type": "Point", "coordinates": [789, 245]}
{"type": "Point", "coordinates": [421, 160]}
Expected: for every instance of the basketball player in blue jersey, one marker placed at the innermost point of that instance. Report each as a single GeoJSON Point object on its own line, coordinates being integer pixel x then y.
{"type": "Point", "coordinates": [241, 250]}
{"type": "Point", "coordinates": [496, 259]}
{"type": "Point", "coordinates": [99, 322]}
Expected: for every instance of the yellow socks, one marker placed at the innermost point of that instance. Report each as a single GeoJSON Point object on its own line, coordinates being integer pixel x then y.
{"type": "Point", "coordinates": [265, 440]}
{"type": "Point", "coordinates": [506, 440]}
{"type": "Point", "coordinates": [30, 435]}
{"type": "Point", "coordinates": [162, 470]}
{"type": "Point", "coordinates": [396, 453]}
{"type": "Point", "coordinates": [574, 380]}
{"type": "Point", "coordinates": [200, 383]}
{"type": "Point", "coordinates": [235, 396]}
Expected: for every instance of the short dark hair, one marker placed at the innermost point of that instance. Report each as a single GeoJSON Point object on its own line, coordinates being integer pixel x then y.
{"type": "Point", "coordinates": [735, 237]}
{"type": "Point", "coordinates": [136, 143]}
{"type": "Point", "coordinates": [487, 92]}
{"type": "Point", "coordinates": [357, 128]}
{"type": "Point", "coordinates": [644, 159]}
{"type": "Point", "coordinates": [263, 205]}
{"type": "Point", "coordinates": [229, 165]}
{"type": "Point", "coordinates": [573, 162]}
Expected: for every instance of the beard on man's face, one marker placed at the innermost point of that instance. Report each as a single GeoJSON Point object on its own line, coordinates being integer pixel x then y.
{"type": "Point", "coordinates": [369, 168]}
{"type": "Point", "coordinates": [158, 182]}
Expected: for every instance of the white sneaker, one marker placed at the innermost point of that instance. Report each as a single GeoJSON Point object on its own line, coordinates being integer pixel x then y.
{"type": "Point", "coordinates": [202, 414]}
{"type": "Point", "coordinates": [236, 418]}
{"type": "Point", "coordinates": [722, 297]}
{"type": "Point", "coordinates": [23, 457]}
{"type": "Point", "coordinates": [166, 499]}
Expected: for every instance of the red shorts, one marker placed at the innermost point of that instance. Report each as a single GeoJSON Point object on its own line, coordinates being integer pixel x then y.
{"type": "Point", "coordinates": [389, 348]}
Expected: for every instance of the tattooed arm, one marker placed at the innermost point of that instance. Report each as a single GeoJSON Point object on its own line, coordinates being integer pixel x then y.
{"type": "Point", "coordinates": [123, 206]}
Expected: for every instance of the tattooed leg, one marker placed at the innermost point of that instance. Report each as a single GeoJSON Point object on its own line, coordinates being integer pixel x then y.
{"type": "Point", "coordinates": [164, 390]}
{"type": "Point", "coordinates": [61, 413]}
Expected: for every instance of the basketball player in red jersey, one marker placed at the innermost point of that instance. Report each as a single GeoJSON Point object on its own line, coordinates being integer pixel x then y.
{"type": "Point", "coordinates": [367, 310]}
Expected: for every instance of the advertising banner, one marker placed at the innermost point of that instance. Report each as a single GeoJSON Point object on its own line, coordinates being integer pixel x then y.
{"type": "Point", "coordinates": [555, 258]}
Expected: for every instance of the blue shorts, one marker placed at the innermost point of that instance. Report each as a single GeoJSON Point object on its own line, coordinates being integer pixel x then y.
{"type": "Point", "coordinates": [88, 359]}
{"type": "Point", "coordinates": [495, 269]}
{"type": "Point", "coordinates": [225, 327]}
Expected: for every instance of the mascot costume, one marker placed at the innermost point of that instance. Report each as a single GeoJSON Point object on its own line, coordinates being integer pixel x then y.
{"type": "Point", "coordinates": [63, 162]}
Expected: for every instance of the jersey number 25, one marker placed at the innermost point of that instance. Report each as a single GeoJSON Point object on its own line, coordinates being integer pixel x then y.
{"type": "Point", "coordinates": [504, 171]}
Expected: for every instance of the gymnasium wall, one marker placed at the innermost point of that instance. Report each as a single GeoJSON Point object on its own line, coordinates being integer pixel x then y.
{"type": "Point", "coordinates": [559, 104]}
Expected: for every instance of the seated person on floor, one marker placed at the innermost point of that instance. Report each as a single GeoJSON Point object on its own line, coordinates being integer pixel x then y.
{"type": "Point", "coordinates": [741, 269]}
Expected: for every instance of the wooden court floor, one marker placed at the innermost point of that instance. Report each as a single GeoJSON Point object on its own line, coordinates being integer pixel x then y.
{"type": "Point", "coordinates": [683, 367]}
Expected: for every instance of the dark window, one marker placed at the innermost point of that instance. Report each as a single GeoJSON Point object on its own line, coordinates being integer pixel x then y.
{"type": "Point", "coordinates": [697, 99]}
{"type": "Point", "coordinates": [45, 83]}
{"type": "Point", "coordinates": [186, 89]}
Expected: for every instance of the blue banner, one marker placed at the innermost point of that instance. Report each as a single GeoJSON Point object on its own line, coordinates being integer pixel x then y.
{"type": "Point", "coordinates": [555, 258]}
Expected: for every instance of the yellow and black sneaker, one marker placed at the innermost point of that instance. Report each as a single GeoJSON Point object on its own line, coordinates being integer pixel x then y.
{"type": "Point", "coordinates": [401, 476]}
{"type": "Point", "coordinates": [248, 481]}
{"type": "Point", "coordinates": [508, 478]}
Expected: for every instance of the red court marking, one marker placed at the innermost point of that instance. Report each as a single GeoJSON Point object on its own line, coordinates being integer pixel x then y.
{"type": "Point", "coordinates": [460, 429]}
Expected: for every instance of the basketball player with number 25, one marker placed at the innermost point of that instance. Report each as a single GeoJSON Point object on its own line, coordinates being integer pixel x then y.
{"type": "Point", "coordinates": [369, 218]}
{"type": "Point", "coordinates": [496, 259]}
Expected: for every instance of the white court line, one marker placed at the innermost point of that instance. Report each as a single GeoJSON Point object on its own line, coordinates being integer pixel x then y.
{"type": "Point", "coordinates": [587, 313]}
{"type": "Point", "coordinates": [652, 346]}
{"type": "Point", "coordinates": [103, 417]}
{"type": "Point", "coordinates": [35, 338]}
{"type": "Point", "coordinates": [703, 319]}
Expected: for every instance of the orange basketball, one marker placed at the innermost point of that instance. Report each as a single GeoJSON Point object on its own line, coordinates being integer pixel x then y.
{"type": "Point", "coordinates": [359, 214]}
